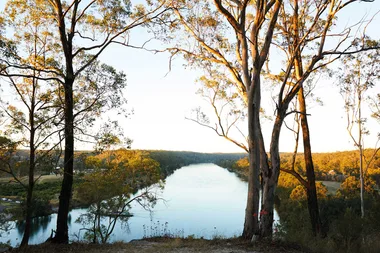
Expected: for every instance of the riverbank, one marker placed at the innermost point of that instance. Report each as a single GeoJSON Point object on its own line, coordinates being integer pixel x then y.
{"type": "Point", "coordinates": [163, 245]}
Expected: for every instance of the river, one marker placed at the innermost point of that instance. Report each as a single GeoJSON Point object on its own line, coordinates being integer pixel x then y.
{"type": "Point", "coordinates": [203, 200]}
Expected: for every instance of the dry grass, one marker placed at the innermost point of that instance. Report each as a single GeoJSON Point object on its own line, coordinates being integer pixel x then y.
{"type": "Point", "coordinates": [163, 245]}
{"type": "Point", "coordinates": [331, 186]}
{"type": "Point", "coordinates": [50, 178]}
{"type": "Point", "coordinates": [42, 179]}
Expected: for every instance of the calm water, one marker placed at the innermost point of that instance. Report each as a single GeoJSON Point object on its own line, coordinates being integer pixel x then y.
{"type": "Point", "coordinates": [204, 200]}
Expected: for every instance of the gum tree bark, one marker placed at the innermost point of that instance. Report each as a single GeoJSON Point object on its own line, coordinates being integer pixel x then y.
{"type": "Point", "coordinates": [251, 223]}
{"type": "Point", "coordinates": [240, 59]}
{"type": "Point", "coordinates": [66, 39]}
{"type": "Point", "coordinates": [117, 19]}
{"type": "Point", "coordinates": [311, 190]}
{"type": "Point", "coordinates": [29, 195]}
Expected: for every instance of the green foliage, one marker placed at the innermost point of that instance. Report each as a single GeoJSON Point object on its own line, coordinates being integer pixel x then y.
{"type": "Point", "coordinates": [299, 193]}
{"type": "Point", "coordinates": [288, 181]}
{"type": "Point", "coordinates": [375, 106]}
{"type": "Point", "coordinates": [43, 195]}
{"type": "Point", "coordinates": [328, 166]}
{"type": "Point", "coordinates": [100, 89]}
{"type": "Point", "coordinates": [238, 166]}
{"type": "Point", "coordinates": [346, 230]}
{"type": "Point", "coordinates": [7, 146]}
{"type": "Point", "coordinates": [334, 166]}
{"type": "Point", "coordinates": [351, 187]}
{"type": "Point", "coordinates": [6, 245]}
{"type": "Point", "coordinates": [360, 71]}
{"type": "Point", "coordinates": [172, 160]}
{"type": "Point", "coordinates": [40, 205]}
{"type": "Point", "coordinates": [118, 174]}
{"type": "Point", "coordinates": [221, 92]}
{"type": "Point", "coordinates": [12, 190]}
{"type": "Point", "coordinates": [7, 151]}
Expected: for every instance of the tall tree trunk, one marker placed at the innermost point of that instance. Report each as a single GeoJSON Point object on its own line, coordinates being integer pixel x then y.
{"type": "Point", "coordinates": [270, 177]}
{"type": "Point", "coordinates": [311, 190]}
{"type": "Point", "coordinates": [62, 232]}
{"type": "Point", "coordinates": [29, 197]}
{"type": "Point", "coordinates": [251, 225]}
{"type": "Point", "coordinates": [32, 166]}
{"type": "Point", "coordinates": [360, 146]}
{"type": "Point", "coordinates": [361, 184]}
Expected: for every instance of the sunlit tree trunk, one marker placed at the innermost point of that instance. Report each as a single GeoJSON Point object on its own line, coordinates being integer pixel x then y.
{"type": "Point", "coordinates": [360, 146]}
{"type": "Point", "coordinates": [311, 190]}
{"type": "Point", "coordinates": [270, 177]}
{"type": "Point", "coordinates": [251, 225]}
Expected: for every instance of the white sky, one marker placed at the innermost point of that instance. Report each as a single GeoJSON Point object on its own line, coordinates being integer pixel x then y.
{"type": "Point", "coordinates": [161, 102]}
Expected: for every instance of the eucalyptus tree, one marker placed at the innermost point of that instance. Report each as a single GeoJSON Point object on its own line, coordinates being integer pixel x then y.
{"type": "Point", "coordinates": [211, 26]}
{"type": "Point", "coordinates": [359, 75]}
{"type": "Point", "coordinates": [233, 39]}
{"type": "Point", "coordinates": [80, 33]}
{"type": "Point", "coordinates": [112, 187]}
{"type": "Point", "coordinates": [32, 124]}
{"type": "Point", "coordinates": [302, 33]}
{"type": "Point", "coordinates": [304, 30]}
{"type": "Point", "coordinates": [8, 149]}
{"type": "Point", "coordinates": [375, 106]}
{"type": "Point", "coordinates": [30, 105]}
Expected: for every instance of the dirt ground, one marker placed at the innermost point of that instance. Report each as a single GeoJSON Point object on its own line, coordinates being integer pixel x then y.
{"type": "Point", "coordinates": [162, 245]}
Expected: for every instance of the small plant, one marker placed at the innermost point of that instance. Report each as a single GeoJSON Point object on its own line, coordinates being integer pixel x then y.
{"type": "Point", "coordinates": [156, 229]}
{"type": "Point", "coordinates": [347, 231]}
{"type": "Point", "coordinates": [217, 236]}
{"type": "Point", "coordinates": [5, 244]}
{"type": "Point", "coordinates": [191, 237]}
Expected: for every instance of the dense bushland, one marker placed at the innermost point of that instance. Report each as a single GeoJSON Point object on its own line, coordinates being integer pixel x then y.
{"type": "Point", "coordinates": [344, 229]}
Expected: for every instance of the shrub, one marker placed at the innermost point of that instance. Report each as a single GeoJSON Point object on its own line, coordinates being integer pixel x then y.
{"type": "Point", "coordinates": [351, 187]}
{"type": "Point", "coordinates": [346, 230]}
{"type": "Point", "coordinates": [299, 193]}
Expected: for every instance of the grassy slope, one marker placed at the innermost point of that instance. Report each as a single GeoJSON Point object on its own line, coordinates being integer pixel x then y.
{"type": "Point", "coordinates": [163, 245]}
{"type": "Point", "coordinates": [42, 179]}
{"type": "Point", "coordinates": [332, 186]}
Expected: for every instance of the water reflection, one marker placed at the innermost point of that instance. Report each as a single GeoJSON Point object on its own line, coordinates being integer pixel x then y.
{"type": "Point", "coordinates": [204, 200]}
{"type": "Point", "coordinates": [39, 224]}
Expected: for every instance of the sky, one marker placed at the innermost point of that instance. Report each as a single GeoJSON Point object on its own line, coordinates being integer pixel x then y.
{"type": "Point", "coordinates": [161, 100]}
